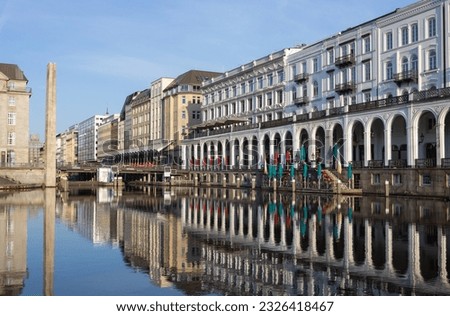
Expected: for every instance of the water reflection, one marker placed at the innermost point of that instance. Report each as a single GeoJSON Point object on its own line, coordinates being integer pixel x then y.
{"type": "Point", "coordinates": [232, 242]}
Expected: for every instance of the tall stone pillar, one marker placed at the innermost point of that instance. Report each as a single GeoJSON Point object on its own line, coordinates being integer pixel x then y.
{"type": "Point", "coordinates": [50, 128]}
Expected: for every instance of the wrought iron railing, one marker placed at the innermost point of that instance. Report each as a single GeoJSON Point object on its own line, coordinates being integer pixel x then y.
{"type": "Point", "coordinates": [345, 60]}
{"type": "Point", "coordinates": [426, 163]}
{"type": "Point", "coordinates": [301, 77]}
{"type": "Point", "coordinates": [376, 163]}
{"type": "Point", "coordinates": [397, 163]}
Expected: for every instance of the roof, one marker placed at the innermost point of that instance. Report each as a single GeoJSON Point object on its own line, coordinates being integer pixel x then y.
{"type": "Point", "coordinates": [192, 77]}
{"type": "Point", "coordinates": [12, 71]}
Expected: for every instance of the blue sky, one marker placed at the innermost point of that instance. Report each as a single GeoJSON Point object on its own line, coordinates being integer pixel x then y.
{"type": "Point", "coordinates": [106, 49]}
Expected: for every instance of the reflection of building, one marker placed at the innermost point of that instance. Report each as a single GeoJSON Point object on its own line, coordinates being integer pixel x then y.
{"type": "Point", "coordinates": [14, 112]}
{"type": "Point", "coordinates": [15, 211]}
{"type": "Point", "coordinates": [228, 242]}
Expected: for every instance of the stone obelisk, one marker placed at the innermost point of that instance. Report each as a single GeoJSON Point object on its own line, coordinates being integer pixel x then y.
{"type": "Point", "coordinates": [50, 128]}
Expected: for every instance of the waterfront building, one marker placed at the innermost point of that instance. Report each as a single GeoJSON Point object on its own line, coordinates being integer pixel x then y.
{"type": "Point", "coordinates": [245, 97]}
{"type": "Point", "coordinates": [67, 147]}
{"type": "Point", "coordinates": [35, 150]}
{"type": "Point", "coordinates": [181, 108]}
{"type": "Point", "coordinates": [14, 110]}
{"type": "Point", "coordinates": [108, 138]}
{"type": "Point", "coordinates": [375, 95]}
{"type": "Point", "coordinates": [156, 141]}
{"type": "Point", "coordinates": [88, 138]}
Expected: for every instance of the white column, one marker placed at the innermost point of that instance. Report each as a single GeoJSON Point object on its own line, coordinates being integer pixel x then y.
{"type": "Point", "coordinates": [368, 242]}
{"type": "Point", "coordinates": [367, 148]}
{"type": "Point", "coordinates": [388, 147]}
{"type": "Point", "coordinates": [328, 150]}
{"type": "Point", "coordinates": [442, 254]}
{"type": "Point", "coordinates": [389, 268]}
{"type": "Point", "coordinates": [440, 143]}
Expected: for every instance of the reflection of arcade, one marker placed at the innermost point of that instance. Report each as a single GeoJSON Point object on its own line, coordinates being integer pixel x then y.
{"type": "Point", "coordinates": [320, 231]}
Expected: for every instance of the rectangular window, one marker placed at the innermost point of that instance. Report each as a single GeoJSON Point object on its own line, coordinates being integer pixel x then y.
{"type": "Point", "coordinates": [279, 96]}
{"type": "Point", "coordinates": [280, 75]}
{"type": "Point", "coordinates": [367, 97]}
{"type": "Point", "coordinates": [396, 179]}
{"type": "Point", "coordinates": [183, 99]}
{"type": "Point", "coordinates": [366, 43]}
{"type": "Point", "coordinates": [11, 118]}
{"type": "Point", "coordinates": [366, 66]}
{"type": "Point", "coordinates": [432, 27]}
{"type": "Point", "coordinates": [389, 41]}
{"type": "Point", "coordinates": [242, 88]}
{"type": "Point", "coordinates": [405, 36]}
{"type": "Point", "coordinates": [251, 86]}
{"type": "Point", "coordinates": [376, 178]}
{"type": "Point", "coordinates": [414, 33]}
{"type": "Point", "coordinates": [259, 101]}
{"type": "Point", "coordinates": [227, 93]}
{"type": "Point", "coordinates": [294, 71]}
{"type": "Point", "coordinates": [269, 98]}
{"type": "Point", "coordinates": [426, 179]}
{"type": "Point", "coordinates": [330, 56]}
{"type": "Point", "coordinates": [331, 81]}
{"type": "Point", "coordinates": [12, 101]}
{"type": "Point", "coordinates": [432, 62]}
{"type": "Point", "coordinates": [270, 80]}
{"type": "Point", "coordinates": [242, 106]}
{"type": "Point", "coordinates": [234, 91]}
{"type": "Point", "coordinates": [315, 64]}
{"type": "Point", "coordinates": [11, 138]}
{"type": "Point", "coordinates": [260, 82]}
{"type": "Point", "coordinates": [250, 104]}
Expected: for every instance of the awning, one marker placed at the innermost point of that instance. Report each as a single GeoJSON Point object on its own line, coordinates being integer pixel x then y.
{"type": "Point", "coordinates": [219, 123]}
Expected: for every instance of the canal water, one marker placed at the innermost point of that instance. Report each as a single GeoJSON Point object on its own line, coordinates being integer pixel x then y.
{"type": "Point", "coordinates": [186, 241]}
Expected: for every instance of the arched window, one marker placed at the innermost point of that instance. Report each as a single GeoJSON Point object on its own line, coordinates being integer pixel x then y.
{"type": "Point", "coordinates": [315, 88]}
{"type": "Point", "coordinates": [432, 62]}
{"type": "Point", "coordinates": [389, 73]}
{"type": "Point", "coordinates": [405, 65]}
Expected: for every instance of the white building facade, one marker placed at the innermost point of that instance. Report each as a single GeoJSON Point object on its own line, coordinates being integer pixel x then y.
{"type": "Point", "coordinates": [88, 138]}
{"type": "Point", "coordinates": [374, 95]}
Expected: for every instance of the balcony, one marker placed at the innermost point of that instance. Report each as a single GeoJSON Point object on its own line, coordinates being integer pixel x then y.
{"type": "Point", "coordinates": [343, 88]}
{"type": "Point", "coordinates": [301, 101]}
{"type": "Point", "coordinates": [405, 77]}
{"type": "Point", "coordinates": [299, 78]}
{"type": "Point", "coordinates": [345, 60]}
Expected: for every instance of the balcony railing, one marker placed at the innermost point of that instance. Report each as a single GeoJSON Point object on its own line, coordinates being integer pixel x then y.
{"type": "Point", "coordinates": [301, 77]}
{"type": "Point", "coordinates": [445, 162]}
{"type": "Point", "coordinates": [397, 163]}
{"type": "Point", "coordinates": [405, 76]}
{"type": "Point", "coordinates": [345, 60]}
{"type": "Point", "coordinates": [301, 101]}
{"type": "Point", "coordinates": [318, 114]}
{"type": "Point", "coordinates": [376, 163]}
{"type": "Point", "coordinates": [421, 96]}
{"type": "Point", "coordinates": [401, 99]}
{"type": "Point", "coordinates": [346, 87]}
{"type": "Point", "coordinates": [279, 122]}
{"type": "Point", "coordinates": [426, 163]}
